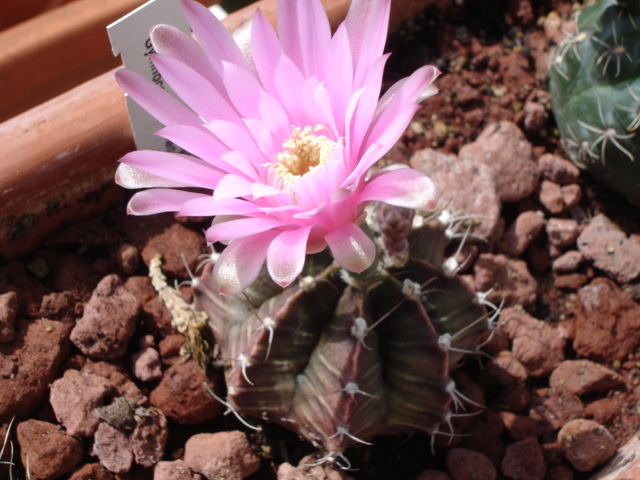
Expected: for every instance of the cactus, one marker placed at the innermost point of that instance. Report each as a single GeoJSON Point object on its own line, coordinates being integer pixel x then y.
{"type": "Point", "coordinates": [340, 359]}
{"type": "Point", "coordinates": [594, 78]}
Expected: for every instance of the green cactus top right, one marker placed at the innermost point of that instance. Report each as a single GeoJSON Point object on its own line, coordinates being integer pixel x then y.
{"type": "Point", "coordinates": [594, 80]}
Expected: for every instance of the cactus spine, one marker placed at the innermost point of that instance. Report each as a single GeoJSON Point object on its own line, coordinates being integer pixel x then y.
{"type": "Point", "coordinates": [341, 360]}
{"type": "Point", "coordinates": [594, 80]}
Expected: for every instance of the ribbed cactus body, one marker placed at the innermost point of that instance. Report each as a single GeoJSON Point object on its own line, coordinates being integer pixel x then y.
{"type": "Point", "coordinates": [594, 79]}
{"type": "Point", "coordinates": [340, 362]}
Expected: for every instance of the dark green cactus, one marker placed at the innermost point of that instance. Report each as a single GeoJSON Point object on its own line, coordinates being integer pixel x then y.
{"type": "Point", "coordinates": [594, 79]}
{"type": "Point", "coordinates": [339, 359]}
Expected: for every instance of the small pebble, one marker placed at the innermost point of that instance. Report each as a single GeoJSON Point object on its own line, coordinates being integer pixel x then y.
{"type": "Point", "coordinates": [586, 444]}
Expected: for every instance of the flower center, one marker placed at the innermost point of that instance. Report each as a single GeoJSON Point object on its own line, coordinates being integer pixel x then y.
{"type": "Point", "coordinates": [302, 153]}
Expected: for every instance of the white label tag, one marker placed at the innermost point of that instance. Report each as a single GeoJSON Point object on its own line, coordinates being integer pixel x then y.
{"type": "Point", "coordinates": [130, 39]}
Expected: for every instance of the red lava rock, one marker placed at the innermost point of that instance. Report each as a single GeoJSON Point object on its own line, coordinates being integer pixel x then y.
{"type": "Point", "coordinates": [7, 367]}
{"type": "Point", "coordinates": [562, 232]}
{"type": "Point", "coordinates": [8, 312]}
{"type": "Point", "coordinates": [569, 262]}
{"type": "Point", "coordinates": [177, 245]}
{"type": "Point", "coordinates": [141, 288]}
{"type": "Point", "coordinates": [221, 455]}
{"type": "Point", "coordinates": [503, 148]}
{"type": "Point", "coordinates": [603, 243]}
{"type": "Point", "coordinates": [127, 258]}
{"type": "Point", "coordinates": [508, 278]}
{"type": "Point", "coordinates": [571, 195]}
{"type": "Point", "coordinates": [551, 197]}
{"type": "Point", "coordinates": [91, 471]}
{"type": "Point", "coordinates": [504, 370]}
{"type": "Point", "coordinates": [514, 397]}
{"type": "Point", "coordinates": [176, 470]}
{"type": "Point", "coordinates": [433, 475]}
{"type": "Point", "coordinates": [586, 444]}
{"type": "Point", "coordinates": [583, 376]}
{"type": "Point", "coordinates": [169, 347]}
{"type": "Point", "coordinates": [182, 397]}
{"type": "Point", "coordinates": [149, 438]}
{"type": "Point", "coordinates": [555, 28]}
{"type": "Point", "coordinates": [609, 327]}
{"type": "Point", "coordinates": [74, 399]}
{"type": "Point", "coordinates": [555, 408]}
{"type": "Point", "coordinates": [521, 12]}
{"type": "Point", "coordinates": [603, 410]}
{"type": "Point", "coordinates": [113, 448]}
{"type": "Point", "coordinates": [145, 364]}
{"type": "Point", "coordinates": [465, 464]}
{"type": "Point", "coordinates": [560, 472]}
{"type": "Point", "coordinates": [557, 169]}
{"type": "Point", "coordinates": [536, 344]}
{"type": "Point", "coordinates": [307, 470]}
{"type": "Point", "coordinates": [15, 278]}
{"type": "Point", "coordinates": [464, 186]}
{"type": "Point", "coordinates": [518, 426]}
{"type": "Point", "coordinates": [38, 349]}
{"type": "Point", "coordinates": [58, 305]}
{"type": "Point", "coordinates": [521, 233]}
{"type": "Point", "coordinates": [118, 378]}
{"type": "Point", "coordinates": [48, 452]}
{"type": "Point", "coordinates": [108, 321]}
{"type": "Point", "coordinates": [552, 452]}
{"type": "Point", "coordinates": [535, 116]}
{"type": "Point", "coordinates": [625, 465]}
{"type": "Point", "coordinates": [523, 460]}
{"type": "Point", "coordinates": [78, 274]}
{"type": "Point", "coordinates": [146, 341]}
{"type": "Point", "coordinates": [571, 281]}
{"type": "Point", "coordinates": [485, 435]}
{"type": "Point", "coordinates": [156, 318]}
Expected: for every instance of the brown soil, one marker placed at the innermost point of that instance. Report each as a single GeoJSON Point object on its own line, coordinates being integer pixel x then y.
{"type": "Point", "coordinates": [493, 57]}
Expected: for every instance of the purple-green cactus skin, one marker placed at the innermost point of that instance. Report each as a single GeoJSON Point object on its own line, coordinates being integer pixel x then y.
{"type": "Point", "coordinates": [340, 360]}
{"type": "Point", "coordinates": [594, 80]}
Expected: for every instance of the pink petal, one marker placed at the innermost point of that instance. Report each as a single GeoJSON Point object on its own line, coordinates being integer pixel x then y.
{"type": "Point", "coordinates": [289, 82]}
{"type": "Point", "coordinates": [409, 89]}
{"type": "Point", "coordinates": [243, 89]}
{"type": "Point", "coordinates": [158, 200]}
{"type": "Point", "coordinates": [351, 247]}
{"type": "Point", "coordinates": [243, 227]}
{"type": "Point", "coordinates": [240, 263]}
{"type": "Point", "coordinates": [160, 104]}
{"type": "Point", "coordinates": [206, 206]}
{"type": "Point", "coordinates": [339, 77]}
{"type": "Point", "coordinates": [236, 136]}
{"type": "Point", "coordinates": [216, 41]}
{"type": "Point", "coordinates": [130, 177]}
{"type": "Point", "coordinates": [232, 186]}
{"type": "Point", "coordinates": [366, 106]}
{"type": "Point", "coordinates": [265, 50]}
{"type": "Point", "coordinates": [201, 143]}
{"type": "Point", "coordinates": [367, 23]}
{"type": "Point", "coordinates": [195, 90]}
{"type": "Point", "coordinates": [386, 138]}
{"type": "Point", "coordinates": [170, 41]}
{"type": "Point", "coordinates": [401, 186]}
{"type": "Point", "coordinates": [181, 168]}
{"type": "Point", "coordinates": [286, 255]}
{"type": "Point", "coordinates": [305, 34]}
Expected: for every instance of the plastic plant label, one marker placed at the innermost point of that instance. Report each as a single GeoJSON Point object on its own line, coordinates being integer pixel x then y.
{"type": "Point", "coordinates": [130, 39]}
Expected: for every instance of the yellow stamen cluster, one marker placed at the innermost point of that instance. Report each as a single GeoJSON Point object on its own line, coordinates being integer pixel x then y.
{"type": "Point", "coordinates": [302, 153]}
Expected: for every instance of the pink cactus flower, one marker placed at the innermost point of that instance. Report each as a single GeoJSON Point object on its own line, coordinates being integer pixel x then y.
{"type": "Point", "coordinates": [283, 130]}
